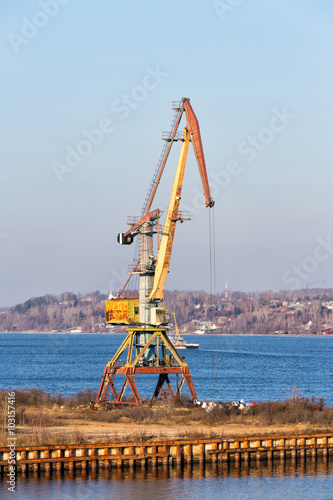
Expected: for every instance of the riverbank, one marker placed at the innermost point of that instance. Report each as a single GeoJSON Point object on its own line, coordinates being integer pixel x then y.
{"type": "Point", "coordinates": [77, 431]}
{"type": "Point", "coordinates": [42, 418]}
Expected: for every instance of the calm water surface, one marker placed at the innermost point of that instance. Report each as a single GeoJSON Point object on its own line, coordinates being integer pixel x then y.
{"type": "Point", "coordinates": [309, 480]}
{"type": "Point", "coordinates": [223, 368]}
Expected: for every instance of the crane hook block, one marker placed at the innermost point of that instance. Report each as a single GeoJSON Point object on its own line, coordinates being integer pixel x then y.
{"type": "Point", "coordinates": [124, 240]}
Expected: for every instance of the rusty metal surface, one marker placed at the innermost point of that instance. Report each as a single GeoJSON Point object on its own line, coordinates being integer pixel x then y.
{"type": "Point", "coordinates": [178, 450]}
{"type": "Point", "coordinates": [163, 366]}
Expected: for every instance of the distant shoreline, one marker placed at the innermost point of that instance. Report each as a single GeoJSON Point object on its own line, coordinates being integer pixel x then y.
{"type": "Point", "coordinates": [184, 334]}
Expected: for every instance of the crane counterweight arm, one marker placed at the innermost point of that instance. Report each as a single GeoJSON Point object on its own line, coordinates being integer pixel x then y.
{"type": "Point", "coordinates": [127, 238]}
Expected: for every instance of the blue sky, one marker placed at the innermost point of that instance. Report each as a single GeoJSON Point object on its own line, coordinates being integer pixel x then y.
{"type": "Point", "coordinates": [259, 76]}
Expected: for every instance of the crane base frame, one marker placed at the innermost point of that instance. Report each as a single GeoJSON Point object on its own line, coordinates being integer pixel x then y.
{"type": "Point", "coordinates": [165, 365]}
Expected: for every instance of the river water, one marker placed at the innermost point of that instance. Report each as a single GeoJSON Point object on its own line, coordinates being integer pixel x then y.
{"type": "Point", "coordinates": [312, 480]}
{"type": "Point", "coordinates": [252, 368]}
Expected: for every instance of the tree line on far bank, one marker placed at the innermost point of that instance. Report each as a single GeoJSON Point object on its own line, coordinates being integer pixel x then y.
{"type": "Point", "coordinates": [293, 312]}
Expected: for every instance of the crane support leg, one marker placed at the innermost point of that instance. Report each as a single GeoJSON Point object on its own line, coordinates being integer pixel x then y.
{"type": "Point", "coordinates": [157, 357]}
{"type": "Point", "coordinates": [161, 379]}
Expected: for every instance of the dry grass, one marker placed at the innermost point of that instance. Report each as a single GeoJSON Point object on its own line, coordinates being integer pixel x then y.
{"type": "Point", "coordinates": [42, 418]}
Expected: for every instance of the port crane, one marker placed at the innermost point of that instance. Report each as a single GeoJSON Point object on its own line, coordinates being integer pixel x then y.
{"type": "Point", "coordinates": [147, 348]}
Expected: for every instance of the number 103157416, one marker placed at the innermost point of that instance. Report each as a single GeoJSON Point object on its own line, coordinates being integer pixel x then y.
{"type": "Point", "coordinates": [11, 413]}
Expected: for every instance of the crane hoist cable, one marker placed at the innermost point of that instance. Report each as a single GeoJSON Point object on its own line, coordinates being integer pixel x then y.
{"type": "Point", "coordinates": [212, 290]}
